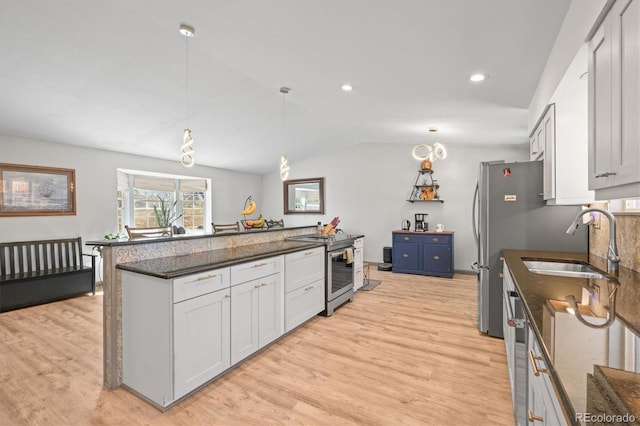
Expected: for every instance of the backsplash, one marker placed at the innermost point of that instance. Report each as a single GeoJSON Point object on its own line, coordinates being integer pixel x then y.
{"type": "Point", "coordinates": [627, 232]}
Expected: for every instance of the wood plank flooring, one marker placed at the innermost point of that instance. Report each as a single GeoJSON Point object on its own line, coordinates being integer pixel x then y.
{"type": "Point", "coordinates": [407, 352]}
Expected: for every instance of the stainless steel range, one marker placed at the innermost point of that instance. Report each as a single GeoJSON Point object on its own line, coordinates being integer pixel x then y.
{"type": "Point", "coordinates": [339, 268]}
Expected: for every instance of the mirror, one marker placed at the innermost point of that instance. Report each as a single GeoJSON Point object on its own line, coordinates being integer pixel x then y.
{"type": "Point", "coordinates": [304, 196]}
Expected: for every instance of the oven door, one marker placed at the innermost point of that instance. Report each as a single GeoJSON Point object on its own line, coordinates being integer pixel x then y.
{"type": "Point", "coordinates": [340, 276]}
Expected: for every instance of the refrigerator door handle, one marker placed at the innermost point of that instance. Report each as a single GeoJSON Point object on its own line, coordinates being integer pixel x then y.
{"type": "Point", "coordinates": [474, 215]}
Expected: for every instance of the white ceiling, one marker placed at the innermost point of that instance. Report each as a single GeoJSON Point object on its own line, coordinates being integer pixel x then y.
{"type": "Point", "coordinates": [111, 74]}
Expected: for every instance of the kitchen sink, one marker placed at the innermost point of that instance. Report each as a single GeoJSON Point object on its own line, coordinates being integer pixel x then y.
{"type": "Point", "coordinates": [563, 269]}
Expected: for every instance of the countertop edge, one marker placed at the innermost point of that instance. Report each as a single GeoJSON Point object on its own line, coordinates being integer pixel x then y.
{"type": "Point", "coordinates": [131, 267]}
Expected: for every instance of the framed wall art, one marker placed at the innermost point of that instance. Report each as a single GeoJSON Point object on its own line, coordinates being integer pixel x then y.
{"type": "Point", "coordinates": [36, 190]}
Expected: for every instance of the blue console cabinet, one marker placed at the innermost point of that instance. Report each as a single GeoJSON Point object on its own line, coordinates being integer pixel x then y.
{"type": "Point", "coordinates": [424, 253]}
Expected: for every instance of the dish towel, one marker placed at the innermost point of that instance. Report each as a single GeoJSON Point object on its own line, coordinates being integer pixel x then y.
{"type": "Point", "coordinates": [348, 255]}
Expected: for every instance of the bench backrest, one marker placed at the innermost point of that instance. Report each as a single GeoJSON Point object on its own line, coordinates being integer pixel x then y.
{"type": "Point", "coordinates": [31, 256]}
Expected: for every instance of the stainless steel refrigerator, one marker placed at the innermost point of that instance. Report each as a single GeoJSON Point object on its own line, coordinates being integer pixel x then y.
{"type": "Point", "coordinates": [509, 212]}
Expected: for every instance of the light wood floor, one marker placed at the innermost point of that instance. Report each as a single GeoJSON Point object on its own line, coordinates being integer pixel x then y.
{"type": "Point", "coordinates": [407, 352]}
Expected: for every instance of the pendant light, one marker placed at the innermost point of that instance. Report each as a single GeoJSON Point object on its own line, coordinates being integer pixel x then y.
{"type": "Point", "coordinates": [186, 158]}
{"type": "Point", "coordinates": [284, 165]}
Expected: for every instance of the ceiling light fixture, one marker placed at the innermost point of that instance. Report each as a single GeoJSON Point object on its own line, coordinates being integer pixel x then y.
{"type": "Point", "coordinates": [476, 78]}
{"type": "Point", "coordinates": [284, 165]}
{"type": "Point", "coordinates": [186, 158]}
{"type": "Point", "coordinates": [435, 152]}
{"type": "Point", "coordinates": [347, 87]}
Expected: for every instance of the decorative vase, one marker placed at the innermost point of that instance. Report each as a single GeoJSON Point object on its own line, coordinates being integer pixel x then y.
{"type": "Point", "coordinates": [426, 164]}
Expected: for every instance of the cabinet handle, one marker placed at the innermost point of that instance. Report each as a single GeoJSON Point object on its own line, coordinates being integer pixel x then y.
{"type": "Point", "coordinates": [436, 257]}
{"type": "Point", "coordinates": [435, 240]}
{"type": "Point", "coordinates": [263, 284]}
{"type": "Point", "coordinates": [501, 275]}
{"type": "Point", "coordinates": [605, 174]}
{"type": "Point", "coordinates": [309, 253]}
{"type": "Point", "coordinates": [407, 238]}
{"type": "Point", "coordinates": [227, 296]}
{"type": "Point", "coordinates": [256, 286]}
{"type": "Point", "coordinates": [405, 255]}
{"type": "Point", "coordinates": [206, 277]}
{"type": "Point", "coordinates": [308, 288]}
{"type": "Point", "coordinates": [258, 265]}
{"type": "Point", "coordinates": [533, 418]}
{"type": "Point", "coordinates": [532, 359]}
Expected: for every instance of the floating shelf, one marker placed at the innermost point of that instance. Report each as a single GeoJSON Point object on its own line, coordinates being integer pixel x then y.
{"type": "Point", "coordinates": [427, 182]}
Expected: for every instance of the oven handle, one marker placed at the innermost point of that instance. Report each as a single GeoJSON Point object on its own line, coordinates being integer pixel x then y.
{"type": "Point", "coordinates": [337, 253]}
{"type": "Point", "coordinates": [512, 321]}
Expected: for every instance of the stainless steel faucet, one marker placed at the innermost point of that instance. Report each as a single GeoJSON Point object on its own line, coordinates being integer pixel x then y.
{"type": "Point", "coordinates": [612, 255]}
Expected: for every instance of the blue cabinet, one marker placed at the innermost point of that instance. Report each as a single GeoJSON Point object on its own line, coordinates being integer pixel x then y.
{"type": "Point", "coordinates": [424, 253]}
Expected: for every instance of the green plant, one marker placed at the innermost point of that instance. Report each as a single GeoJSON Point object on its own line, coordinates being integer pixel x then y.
{"type": "Point", "coordinates": [166, 215]}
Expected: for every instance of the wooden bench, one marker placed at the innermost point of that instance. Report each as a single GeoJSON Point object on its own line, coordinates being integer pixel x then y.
{"type": "Point", "coordinates": [36, 272]}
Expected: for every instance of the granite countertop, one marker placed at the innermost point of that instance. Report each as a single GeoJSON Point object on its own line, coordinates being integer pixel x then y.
{"type": "Point", "coordinates": [177, 266]}
{"type": "Point", "coordinates": [126, 241]}
{"type": "Point", "coordinates": [577, 355]}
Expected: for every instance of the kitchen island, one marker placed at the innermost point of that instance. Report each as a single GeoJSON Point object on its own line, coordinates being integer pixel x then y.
{"type": "Point", "coordinates": [593, 371]}
{"type": "Point", "coordinates": [188, 319]}
{"type": "Point", "coordinates": [117, 252]}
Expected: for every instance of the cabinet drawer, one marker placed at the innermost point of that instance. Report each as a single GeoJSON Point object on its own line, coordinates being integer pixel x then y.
{"type": "Point", "coordinates": [303, 267]}
{"type": "Point", "coordinates": [254, 270]}
{"type": "Point", "coordinates": [198, 284]}
{"type": "Point", "coordinates": [410, 238]}
{"type": "Point", "coordinates": [303, 303]}
{"type": "Point", "coordinates": [438, 239]}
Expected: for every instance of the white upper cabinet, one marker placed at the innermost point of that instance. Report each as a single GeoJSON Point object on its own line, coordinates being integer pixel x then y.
{"type": "Point", "coordinates": [614, 103]}
{"type": "Point", "coordinates": [565, 130]}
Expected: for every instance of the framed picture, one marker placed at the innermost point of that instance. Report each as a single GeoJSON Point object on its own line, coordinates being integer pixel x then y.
{"type": "Point", "coordinates": [36, 190]}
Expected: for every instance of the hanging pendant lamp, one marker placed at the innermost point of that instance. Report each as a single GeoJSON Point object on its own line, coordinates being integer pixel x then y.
{"type": "Point", "coordinates": [187, 158]}
{"type": "Point", "coordinates": [284, 165]}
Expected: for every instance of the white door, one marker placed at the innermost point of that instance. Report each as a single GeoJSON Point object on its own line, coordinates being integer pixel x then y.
{"type": "Point", "coordinates": [201, 340]}
{"type": "Point", "coordinates": [270, 309]}
{"type": "Point", "coordinates": [244, 320]}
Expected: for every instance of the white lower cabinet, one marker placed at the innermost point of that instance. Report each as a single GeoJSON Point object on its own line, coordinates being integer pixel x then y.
{"type": "Point", "coordinates": [256, 315]}
{"type": "Point", "coordinates": [304, 286]}
{"type": "Point", "coordinates": [202, 340]}
{"type": "Point", "coordinates": [175, 333]}
{"type": "Point", "coordinates": [358, 263]}
{"type": "Point", "coordinates": [542, 403]}
{"type": "Point", "coordinates": [178, 334]}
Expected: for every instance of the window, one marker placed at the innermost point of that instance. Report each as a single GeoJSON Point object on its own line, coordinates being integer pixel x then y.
{"type": "Point", "coordinates": [141, 194]}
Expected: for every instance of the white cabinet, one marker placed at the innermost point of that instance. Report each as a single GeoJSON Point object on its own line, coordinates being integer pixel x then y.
{"type": "Point", "coordinates": [536, 143]}
{"type": "Point", "coordinates": [175, 333]}
{"type": "Point", "coordinates": [201, 340]}
{"type": "Point", "coordinates": [304, 286]}
{"type": "Point", "coordinates": [614, 103]}
{"type": "Point", "coordinates": [358, 263]}
{"type": "Point", "coordinates": [543, 405]}
{"type": "Point", "coordinates": [256, 306]}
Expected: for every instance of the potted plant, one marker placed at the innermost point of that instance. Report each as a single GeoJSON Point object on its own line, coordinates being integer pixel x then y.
{"type": "Point", "coordinates": [166, 214]}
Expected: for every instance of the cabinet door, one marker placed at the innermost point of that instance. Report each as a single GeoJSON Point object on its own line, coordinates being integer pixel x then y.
{"type": "Point", "coordinates": [549, 166]}
{"type": "Point", "coordinates": [303, 267]}
{"type": "Point", "coordinates": [405, 257]}
{"type": "Point", "coordinates": [436, 258]}
{"type": "Point", "coordinates": [358, 265]}
{"type": "Point", "coordinates": [201, 340]}
{"type": "Point", "coordinates": [270, 309]}
{"type": "Point", "coordinates": [244, 320]}
{"type": "Point", "coordinates": [303, 304]}
{"type": "Point", "coordinates": [600, 105]}
{"type": "Point", "coordinates": [625, 33]}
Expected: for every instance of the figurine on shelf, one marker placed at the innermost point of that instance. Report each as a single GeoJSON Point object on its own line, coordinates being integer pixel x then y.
{"type": "Point", "coordinates": [426, 164]}
{"type": "Point", "coordinates": [427, 193]}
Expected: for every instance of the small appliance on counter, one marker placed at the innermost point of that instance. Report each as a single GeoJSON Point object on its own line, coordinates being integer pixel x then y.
{"type": "Point", "coordinates": [406, 225]}
{"type": "Point", "coordinates": [421, 224]}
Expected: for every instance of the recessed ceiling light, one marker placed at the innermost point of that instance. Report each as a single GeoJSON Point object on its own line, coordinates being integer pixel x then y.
{"type": "Point", "coordinates": [478, 77]}
{"type": "Point", "coordinates": [187, 30]}
{"type": "Point", "coordinates": [347, 87]}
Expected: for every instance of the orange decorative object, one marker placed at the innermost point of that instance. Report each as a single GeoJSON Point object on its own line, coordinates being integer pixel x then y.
{"type": "Point", "coordinates": [426, 164]}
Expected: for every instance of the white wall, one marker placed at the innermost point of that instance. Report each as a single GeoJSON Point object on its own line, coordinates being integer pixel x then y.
{"type": "Point", "coordinates": [96, 188]}
{"type": "Point", "coordinates": [367, 186]}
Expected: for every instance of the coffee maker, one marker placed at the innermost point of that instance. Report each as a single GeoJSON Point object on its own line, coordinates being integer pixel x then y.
{"type": "Point", "coordinates": [421, 224]}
